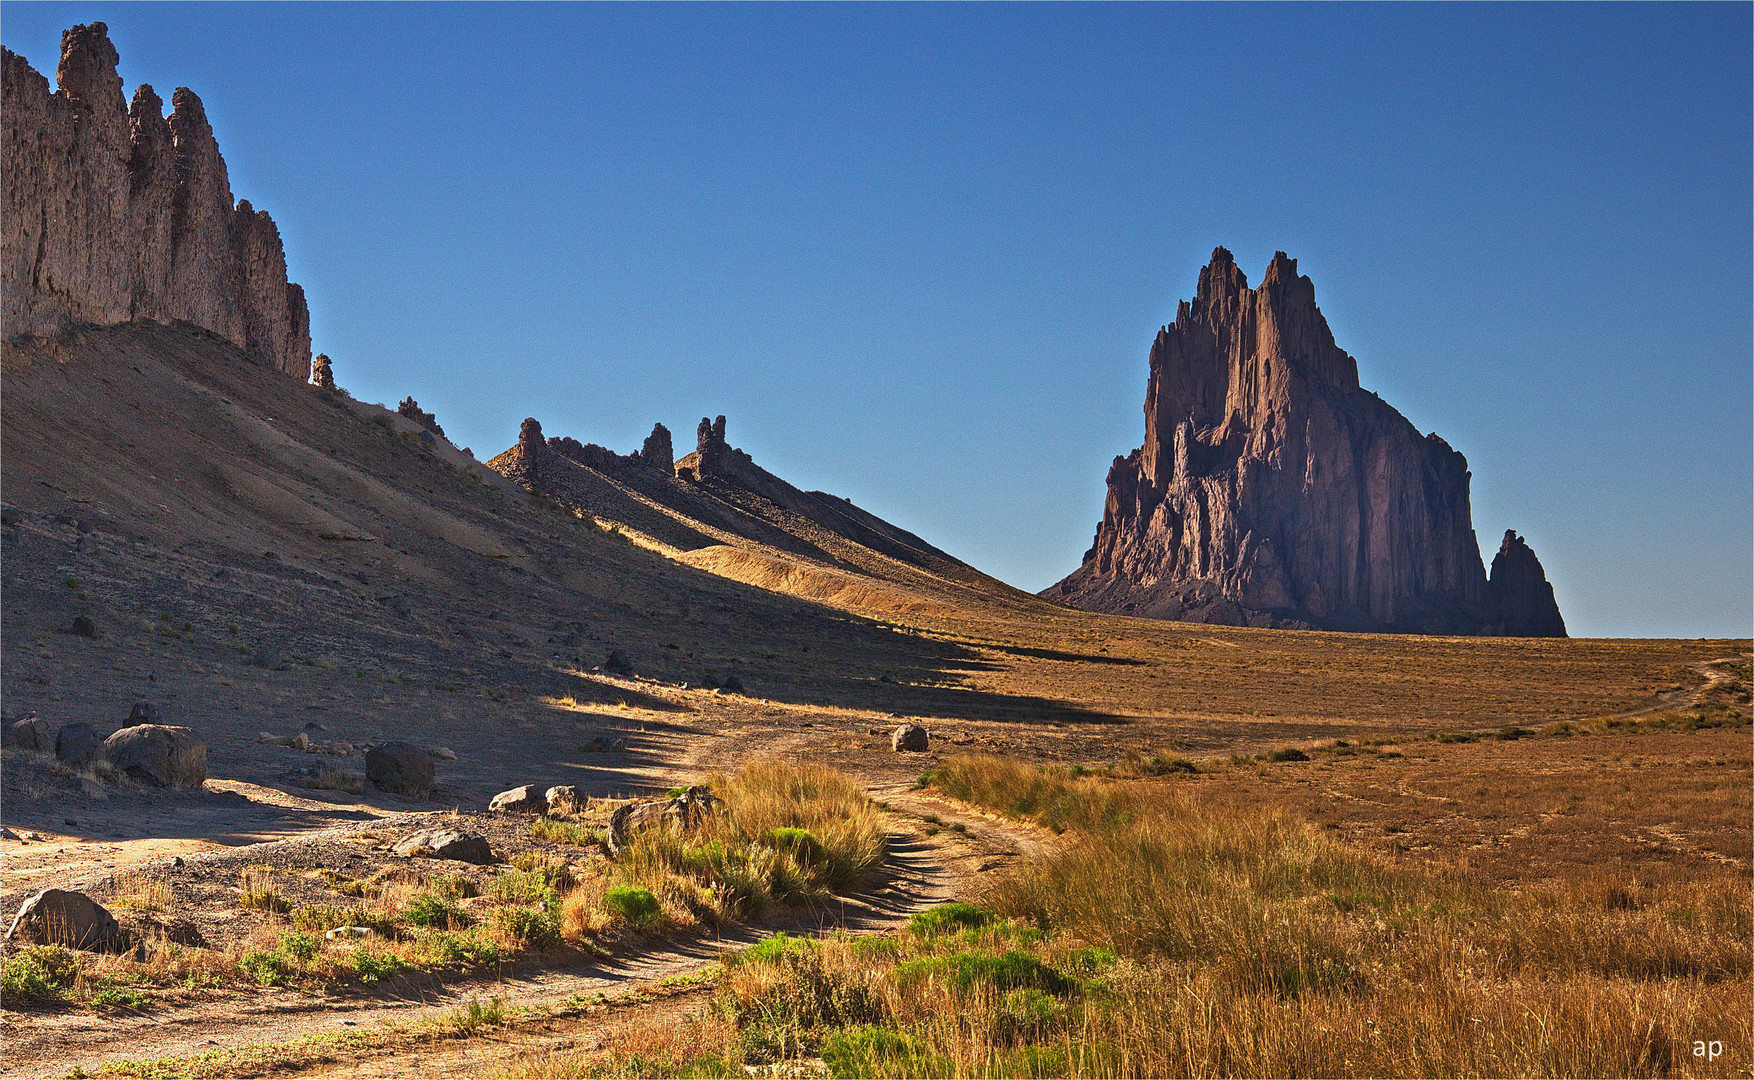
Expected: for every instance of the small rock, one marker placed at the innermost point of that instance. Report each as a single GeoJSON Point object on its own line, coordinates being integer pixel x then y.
{"type": "Point", "coordinates": [909, 737]}
{"type": "Point", "coordinates": [733, 684]}
{"type": "Point", "coordinates": [346, 932]}
{"type": "Point", "coordinates": [276, 740]}
{"type": "Point", "coordinates": [28, 732]}
{"type": "Point", "coordinates": [563, 799]}
{"type": "Point", "coordinates": [8, 834]}
{"type": "Point", "coordinates": [443, 753]}
{"type": "Point", "coordinates": [400, 767]}
{"type": "Point", "coordinates": [176, 860]}
{"type": "Point", "coordinates": [76, 745]}
{"type": "Point", "coordinates": [62, 917]}
{"type": "Point", "coordinates": [31, 836]}
{"type": "Point", "coordinates": [446, 844]}
{"type": "Point", "coordinates": [519, 800]}
{"type": "Point", "coordinates": [84, 627]}
{"type": "Point", "coordinates": [144, 712]}
{"type": "Point", "coordinates": [678, 813]}
{"type": "Point", "coordinates": [162, 755]}
{"type": "Point", "coordinates": [617, 663]}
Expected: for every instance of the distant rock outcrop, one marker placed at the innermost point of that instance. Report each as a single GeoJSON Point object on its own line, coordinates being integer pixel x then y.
{"type": "Point", "coordinates": [411, 409]}
{"type": "Point", "coordinates": [1272, 490]}
{"type": "Point", "coordinates": [658, 451]}
{"type": "Point", "coordinates": [1522, 600]}
{"type": "Point", "coordinates": [112, 213]}
{"type": "Point", "coordinates": [713, 457]}
{"type": "Point", "coordinates": [323, 373]}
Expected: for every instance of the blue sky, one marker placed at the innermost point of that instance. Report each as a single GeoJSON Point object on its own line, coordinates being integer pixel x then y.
{"type": "Point", "coordinates": [917, 253]}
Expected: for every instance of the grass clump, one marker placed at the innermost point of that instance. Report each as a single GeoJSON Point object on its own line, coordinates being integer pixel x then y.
{"type": "Point", "coordinates": [562, 831]}
{"type": "Point", "coordinates": [635, 904]}
{"type": "Point", "coordinates": [435, 913]}
{"type": "Point", "coordinates": [256, 893]}
{"type": "Point", "coordinates": [531, 928]}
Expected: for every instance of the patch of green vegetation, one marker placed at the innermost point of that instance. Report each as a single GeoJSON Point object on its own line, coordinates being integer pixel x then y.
{"type": "Point", "coordinates": [452, 886]}
{"type": "Point", "coordinates": [569, 832]}
{"type": "Point", "coordinates": [121, 997]}
{"type": "Point", "coordinates": [949, 918]}
{"type": "Point", "coordinates": [868, 1051]}
{"type": "Point", "coordinates": [374, 967]}
{"type": "Point", "coordinates": [468, 947]}
{"type": "Point", "coordinates": [39, 973]}
{"type": "Point", "coordinates": [635, 904]}
{"type": "Point", "coordinates": [435, 913]}
{"type": "Point", "coordinates": [1012, 970]}
{"type": "Point", "coordinates": [1286, 753]}
{"type": "Point", "coordinates": [466, 1020]}
{"type": "Point", "coordinates": [534, 928]}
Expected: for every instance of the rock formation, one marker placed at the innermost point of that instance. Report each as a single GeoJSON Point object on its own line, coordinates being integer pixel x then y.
{"type": "Point", "coordinates": [412, 410]}
{"type": "Point", "coordinates": [112, 213]}
{"type": "Point", "coordinates": [658, 451]}
{"type": "Point", "coordinates": [713, 457]}
{"type": "Point", "coordinates": [1272, 490]}
{"type": "Point", "coordinates": [323, 373]}
{"type": "Point", "coordinates": [1522, 600]}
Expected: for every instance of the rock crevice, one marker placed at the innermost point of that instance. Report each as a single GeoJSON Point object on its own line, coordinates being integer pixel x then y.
{"type": "Point", "coordinates": [113, 213]}
{"type": "Point", "coordinates": [1273, 490]}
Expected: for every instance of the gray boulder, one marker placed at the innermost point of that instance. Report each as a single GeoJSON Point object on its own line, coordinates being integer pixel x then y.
{"type": "Point", "coordinates": [563, 799]}
{"type": "Point", "coordinates": [909, 737]}
{"type": "Point", "coordinates": [680, 813]}
{"type": "Point", "coordinates": [519, 800]}
{"type": "Point", "coordinates": [84, 627]}
{"type": "Point", "coordinates": [76, 745]}
{"type": "Point", "coordinates": [446, 844]}
{"type": "Point", "coordinates": [163, 755]}
{"type": "Point", "coordinates": [400, 767]}
{"type": "Point", "coordinates": [29, 732]}
{"type": "Point", "coordinates": [61, 917]}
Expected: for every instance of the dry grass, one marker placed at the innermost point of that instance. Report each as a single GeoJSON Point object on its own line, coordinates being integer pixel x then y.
{"type": "Point", "coordinates": [1168, 938]}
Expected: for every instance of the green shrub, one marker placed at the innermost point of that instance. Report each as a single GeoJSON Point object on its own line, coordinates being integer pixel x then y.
{"type": "Point", "coordinates": [268, 967]}
{"type": "Point", "coordinates": [469, 948]}
{"type": "Point", "coordinates": [39, 973]}
{"type": "Point", "coordinates": [375, 967]}
{"type": "Point", "coordinates": [635, 904]}
{"type": "Point", "coordinates": [569, 832]}
{"type": "Point", "coordinates": [533, 927]}
{"type": "Point", "coordinates": [430, 912]}
{"type": "Point", "coordinates": [123, 997]}
{"type": "Point", "coordinates": [452, 886]}
{"type": "Point", "coordinates": [1287, 753]}
{"type": "Point", "coordinates": [867, 1051]}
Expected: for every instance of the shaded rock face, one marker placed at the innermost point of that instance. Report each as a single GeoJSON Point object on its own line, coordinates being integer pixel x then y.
{"type": "Point", "coordinates": [1522, 600]}
{"type": "Point", "coordinates": [114, 213]}
{"type": "Point", "coordinates": [658, 451]}
{"type": "Point", "coordinates": [163, 755]}
{"type": "Point", "coordinates": [400, 767]}
{"type": "Point", "coordinates": [1272, 490]}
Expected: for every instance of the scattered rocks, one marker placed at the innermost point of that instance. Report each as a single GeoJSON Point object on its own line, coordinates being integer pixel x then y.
{"type": "Point", "coordinates": [162, 755]}
{"type": "Point", "coordinates": [519, 800]}
{"type": "Point", "coordinates": [76, 745]}
{"type": "Point", "coordinates": [63, 917]}
{"type": "Point", "coordinates": [28, 732]}
{"type": "Point", "coordinates": [679, 813]}
{"type": "Point", "coordinates": [400, 767]}
{"type": "Point", "coordinates": [563, 799]}
{"type": "Point", "coordinates": [911, 738]}
{"type": "Point", "coordinates": [445, 844]}
{"type": "Point", "coordinates": [84, 627]}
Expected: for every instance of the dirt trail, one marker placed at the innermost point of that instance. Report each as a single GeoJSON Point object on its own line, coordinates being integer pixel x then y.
{"type": "Point", "coordinates": [921, 870]}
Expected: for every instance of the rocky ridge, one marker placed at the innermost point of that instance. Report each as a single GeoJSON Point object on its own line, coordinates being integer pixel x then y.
{"type": "Point", "coordinates": [1272, 490]}
{"type": "Point", "coordinates": [114, 213]}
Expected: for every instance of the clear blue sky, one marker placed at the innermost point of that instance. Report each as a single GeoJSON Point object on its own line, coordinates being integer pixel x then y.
{"type": "Point", "coordinates": [917, 253]}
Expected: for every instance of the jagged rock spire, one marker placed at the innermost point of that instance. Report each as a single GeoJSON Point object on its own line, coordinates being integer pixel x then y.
{"type": "Point", "coordinates": [1272, 489]}
{"type": "Point", "coordinates": [1522, 599]}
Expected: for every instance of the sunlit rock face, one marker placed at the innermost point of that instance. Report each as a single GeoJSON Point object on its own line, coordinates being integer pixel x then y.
{"type": "Point", "coordinates": [1272, 490]}
{"type": "Point", "coordinates": [113, 212]}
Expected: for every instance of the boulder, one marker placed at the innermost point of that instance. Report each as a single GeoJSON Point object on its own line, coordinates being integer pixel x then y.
{"type": "Point", "coordinates": [84, 627]}
{"type": "Point", "coordinates": [76, 745]}
{"type": "Point", "coordinates": [63, 917]}
{"type": "Point", "coordinates": [680, 812]}
{"type": "Point", "coordinates": [144, 712]}
{"type": "Point", "coordinates": [446, 844]}
{"type": "Point", "coordinates": [563, 799]}
{"type": "Point", "coordinates": [909, 737]}
{"type": "Point", "coordinates": [29, 732]}
{"type": "Point", "coordinates": [162, 755]}
{"type": "Point", "coordinates": [519, 800]}
{"type": "Point", "coordinates": [400, 767]}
